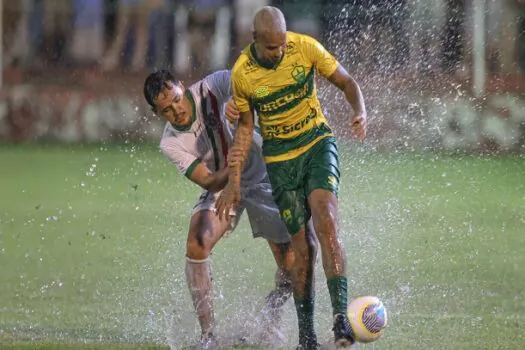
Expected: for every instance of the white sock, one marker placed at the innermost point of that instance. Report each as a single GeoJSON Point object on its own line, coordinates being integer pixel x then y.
{"type": "Point", "coordinates": [198, 277]}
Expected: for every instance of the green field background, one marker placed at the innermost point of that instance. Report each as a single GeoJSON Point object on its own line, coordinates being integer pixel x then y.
{"type": "Point", "coordinates": [92, 242]}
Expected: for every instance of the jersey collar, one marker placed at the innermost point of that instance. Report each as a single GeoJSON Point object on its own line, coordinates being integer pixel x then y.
{"type": "Point", "coordinates": [190, 98]}
{"type": "Point", "coordinates": [262, 63]}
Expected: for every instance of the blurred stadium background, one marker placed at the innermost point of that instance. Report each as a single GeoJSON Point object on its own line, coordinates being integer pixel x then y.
{"type": "Point", "coordinates": [435, 73]}
{"type": "Point", "coordinates": [92, 219]}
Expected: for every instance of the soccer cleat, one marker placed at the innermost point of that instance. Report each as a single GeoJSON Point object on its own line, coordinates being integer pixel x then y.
{"type": "Point", "coordinates": [308, 343]}
{"type": "Point", "coordinates": [343, 334]}
{"type": "Point", "coordinates": [309, 346]}
{"type": "Point", "coordinates": [208, 342]}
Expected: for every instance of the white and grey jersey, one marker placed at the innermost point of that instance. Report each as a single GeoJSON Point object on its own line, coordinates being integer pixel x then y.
{"type": "Point", "coordinates": [210, 135]}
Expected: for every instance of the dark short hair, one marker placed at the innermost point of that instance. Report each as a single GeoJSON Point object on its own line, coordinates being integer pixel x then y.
{"type": "Point", "coordinates": [154, 84]}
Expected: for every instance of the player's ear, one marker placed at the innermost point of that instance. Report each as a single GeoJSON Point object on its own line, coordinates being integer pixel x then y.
{"type": "Point", "coordinates": [154, 109]}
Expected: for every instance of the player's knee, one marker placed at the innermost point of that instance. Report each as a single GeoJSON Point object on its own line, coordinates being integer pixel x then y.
{"type": "Point", "coordinates": [322, 201]}
{"type": "Point", "coordinates": [197, 250]}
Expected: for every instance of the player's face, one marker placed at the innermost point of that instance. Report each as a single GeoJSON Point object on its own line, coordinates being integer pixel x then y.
{"type": "Point", "coordinates": [172, 105]}
{"type": "Point", "coordinates": [270, 46]}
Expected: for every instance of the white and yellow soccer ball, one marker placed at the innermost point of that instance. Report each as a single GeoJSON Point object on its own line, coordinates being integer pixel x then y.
{"type": "Point", "coordinates": [368, 318]}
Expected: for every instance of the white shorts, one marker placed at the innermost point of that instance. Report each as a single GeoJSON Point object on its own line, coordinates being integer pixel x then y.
{"type": "Point", "coordinates": [263, 213]}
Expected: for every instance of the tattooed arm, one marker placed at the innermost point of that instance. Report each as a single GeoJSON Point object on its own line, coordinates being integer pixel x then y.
{"type": "Point", "coordinates": [231, 195]}
{"type": "Point", "coordinates": [242, 143]}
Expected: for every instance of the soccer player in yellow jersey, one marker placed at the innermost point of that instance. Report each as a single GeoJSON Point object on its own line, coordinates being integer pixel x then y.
{"type": "Point", "coordinates": [275, 77]}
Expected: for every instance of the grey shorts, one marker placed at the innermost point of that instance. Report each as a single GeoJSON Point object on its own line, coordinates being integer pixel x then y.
{"type": "Point", "coordinates": [262, 211]}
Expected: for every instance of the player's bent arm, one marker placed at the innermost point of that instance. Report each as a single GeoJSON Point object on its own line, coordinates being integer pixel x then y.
{"type": "Point", "coordinates": [212, 182]}
{"type": "Point", "coordinates": [191, 167]}
{"type": "Point", "coordinates": [242, 143]}
{"type": "Point", "coordinates": [350, 88]}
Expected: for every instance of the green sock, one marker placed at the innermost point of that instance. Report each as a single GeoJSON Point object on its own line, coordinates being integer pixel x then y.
{"type": "Point", "coordinates": [337, 286]}
{"type": "Point", "coordinates": [305, 316]}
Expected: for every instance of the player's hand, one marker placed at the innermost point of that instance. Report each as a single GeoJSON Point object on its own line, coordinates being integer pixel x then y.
{"type": "Point", "coordinates": [358, 126]}
{"type": "Point", "coordinates": [229, 197]}
{"type": "Point", "coordinates": [231, 112]}
{"type": "Point", "coordinates": [235, 157]}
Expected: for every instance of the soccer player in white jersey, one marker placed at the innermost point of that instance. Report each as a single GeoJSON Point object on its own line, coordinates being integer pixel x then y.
{"type": "Point", "coordinates": [196, 139]}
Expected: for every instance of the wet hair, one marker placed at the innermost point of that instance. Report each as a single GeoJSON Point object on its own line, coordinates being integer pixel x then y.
{"type": "Point", "coordinates": [154, 84]}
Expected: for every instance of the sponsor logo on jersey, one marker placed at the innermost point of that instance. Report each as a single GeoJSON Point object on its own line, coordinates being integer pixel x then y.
{"type": "Point", "coordinates": [271, 131]}
{"type": "Point", "coordinates": [284, 100]}
{"type": "Point", "coordinates": [290, 48]}
{"type": "Point", "coordinates": [288, 97]}
{"type": "Point", "coordinates": [250, 66]}
{"type": "Point", "coordinates": [261, 91]}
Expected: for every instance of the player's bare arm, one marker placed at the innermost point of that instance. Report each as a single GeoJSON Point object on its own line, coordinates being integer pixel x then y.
{"type": "Point", "coordinates": [235, 157]}
{"type": "Point", "coordinates": [215, 181]}
{"type": "Point", "coordinates": [354, 96]}
{"type": "Point", "coordinates": [241, 144]}
{"type": "Point", "coordinates": [210, 181]}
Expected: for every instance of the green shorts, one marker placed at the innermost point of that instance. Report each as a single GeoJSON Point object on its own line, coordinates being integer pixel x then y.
{"type": "Point", "coordinates": [293, 180]}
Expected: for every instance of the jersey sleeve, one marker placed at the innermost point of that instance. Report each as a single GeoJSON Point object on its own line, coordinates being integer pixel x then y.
{"type": "Point", "coordinates": [219, 82]}
{"type": "Point", "coordinates": [324, 62]}
{"type": "Point", "coordinates": [184, 161]}
{"type": "Point", "coordinates": [241, 91]}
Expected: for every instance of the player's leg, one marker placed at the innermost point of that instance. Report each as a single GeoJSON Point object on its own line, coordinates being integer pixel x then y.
{"type": "Point", "coordinates": [304, 246]}
{"type": "Point", "coordinates": [266, 222]}
{"type": "Point", "coordinates": [324, 207]}
{"type": "Point", "coordinates": [322, 186]}
{"type": "Point", "coordinates": [284, 259]}
{"type": "Point", "coordinates": [290, 198]}
{"type": "Point", "coordinates": [269, 329]}
{"type": "Point", "coordinates": [205, 230]}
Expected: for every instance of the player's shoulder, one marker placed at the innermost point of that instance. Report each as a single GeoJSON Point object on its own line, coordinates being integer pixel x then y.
{"type": "Point", "coordinates": [244, 65]}
{"type": "Point", "coordinates": [217, 80]}
{"type": "Point", "coordinates": [297, 37]}
{"type": "Point", "coordinates": [300, 41]}
{"type": "Point", "coordinates": [217, 76]}
{"type": "Point", "coordinates": [241, 65]}
{"type": "Point", "coordinates": [199, 88]}
{"type": "Point", "coordinates": [169, 137]}
{"type": "Point", "coordinates": [194, 88]}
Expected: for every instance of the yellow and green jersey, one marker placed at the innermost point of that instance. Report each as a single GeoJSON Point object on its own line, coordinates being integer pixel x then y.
{"type": "Point", "coordinates": [284, 96]}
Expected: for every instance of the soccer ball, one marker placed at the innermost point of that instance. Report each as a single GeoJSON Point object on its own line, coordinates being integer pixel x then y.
{"type": "Point", "coordinates": [368, 318]}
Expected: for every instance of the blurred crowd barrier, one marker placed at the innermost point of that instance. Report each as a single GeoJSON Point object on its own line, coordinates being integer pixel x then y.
{"type": "Point", "coordinates": [203, 35]}
{"type": "Point", "coordinates": [73, 69]}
